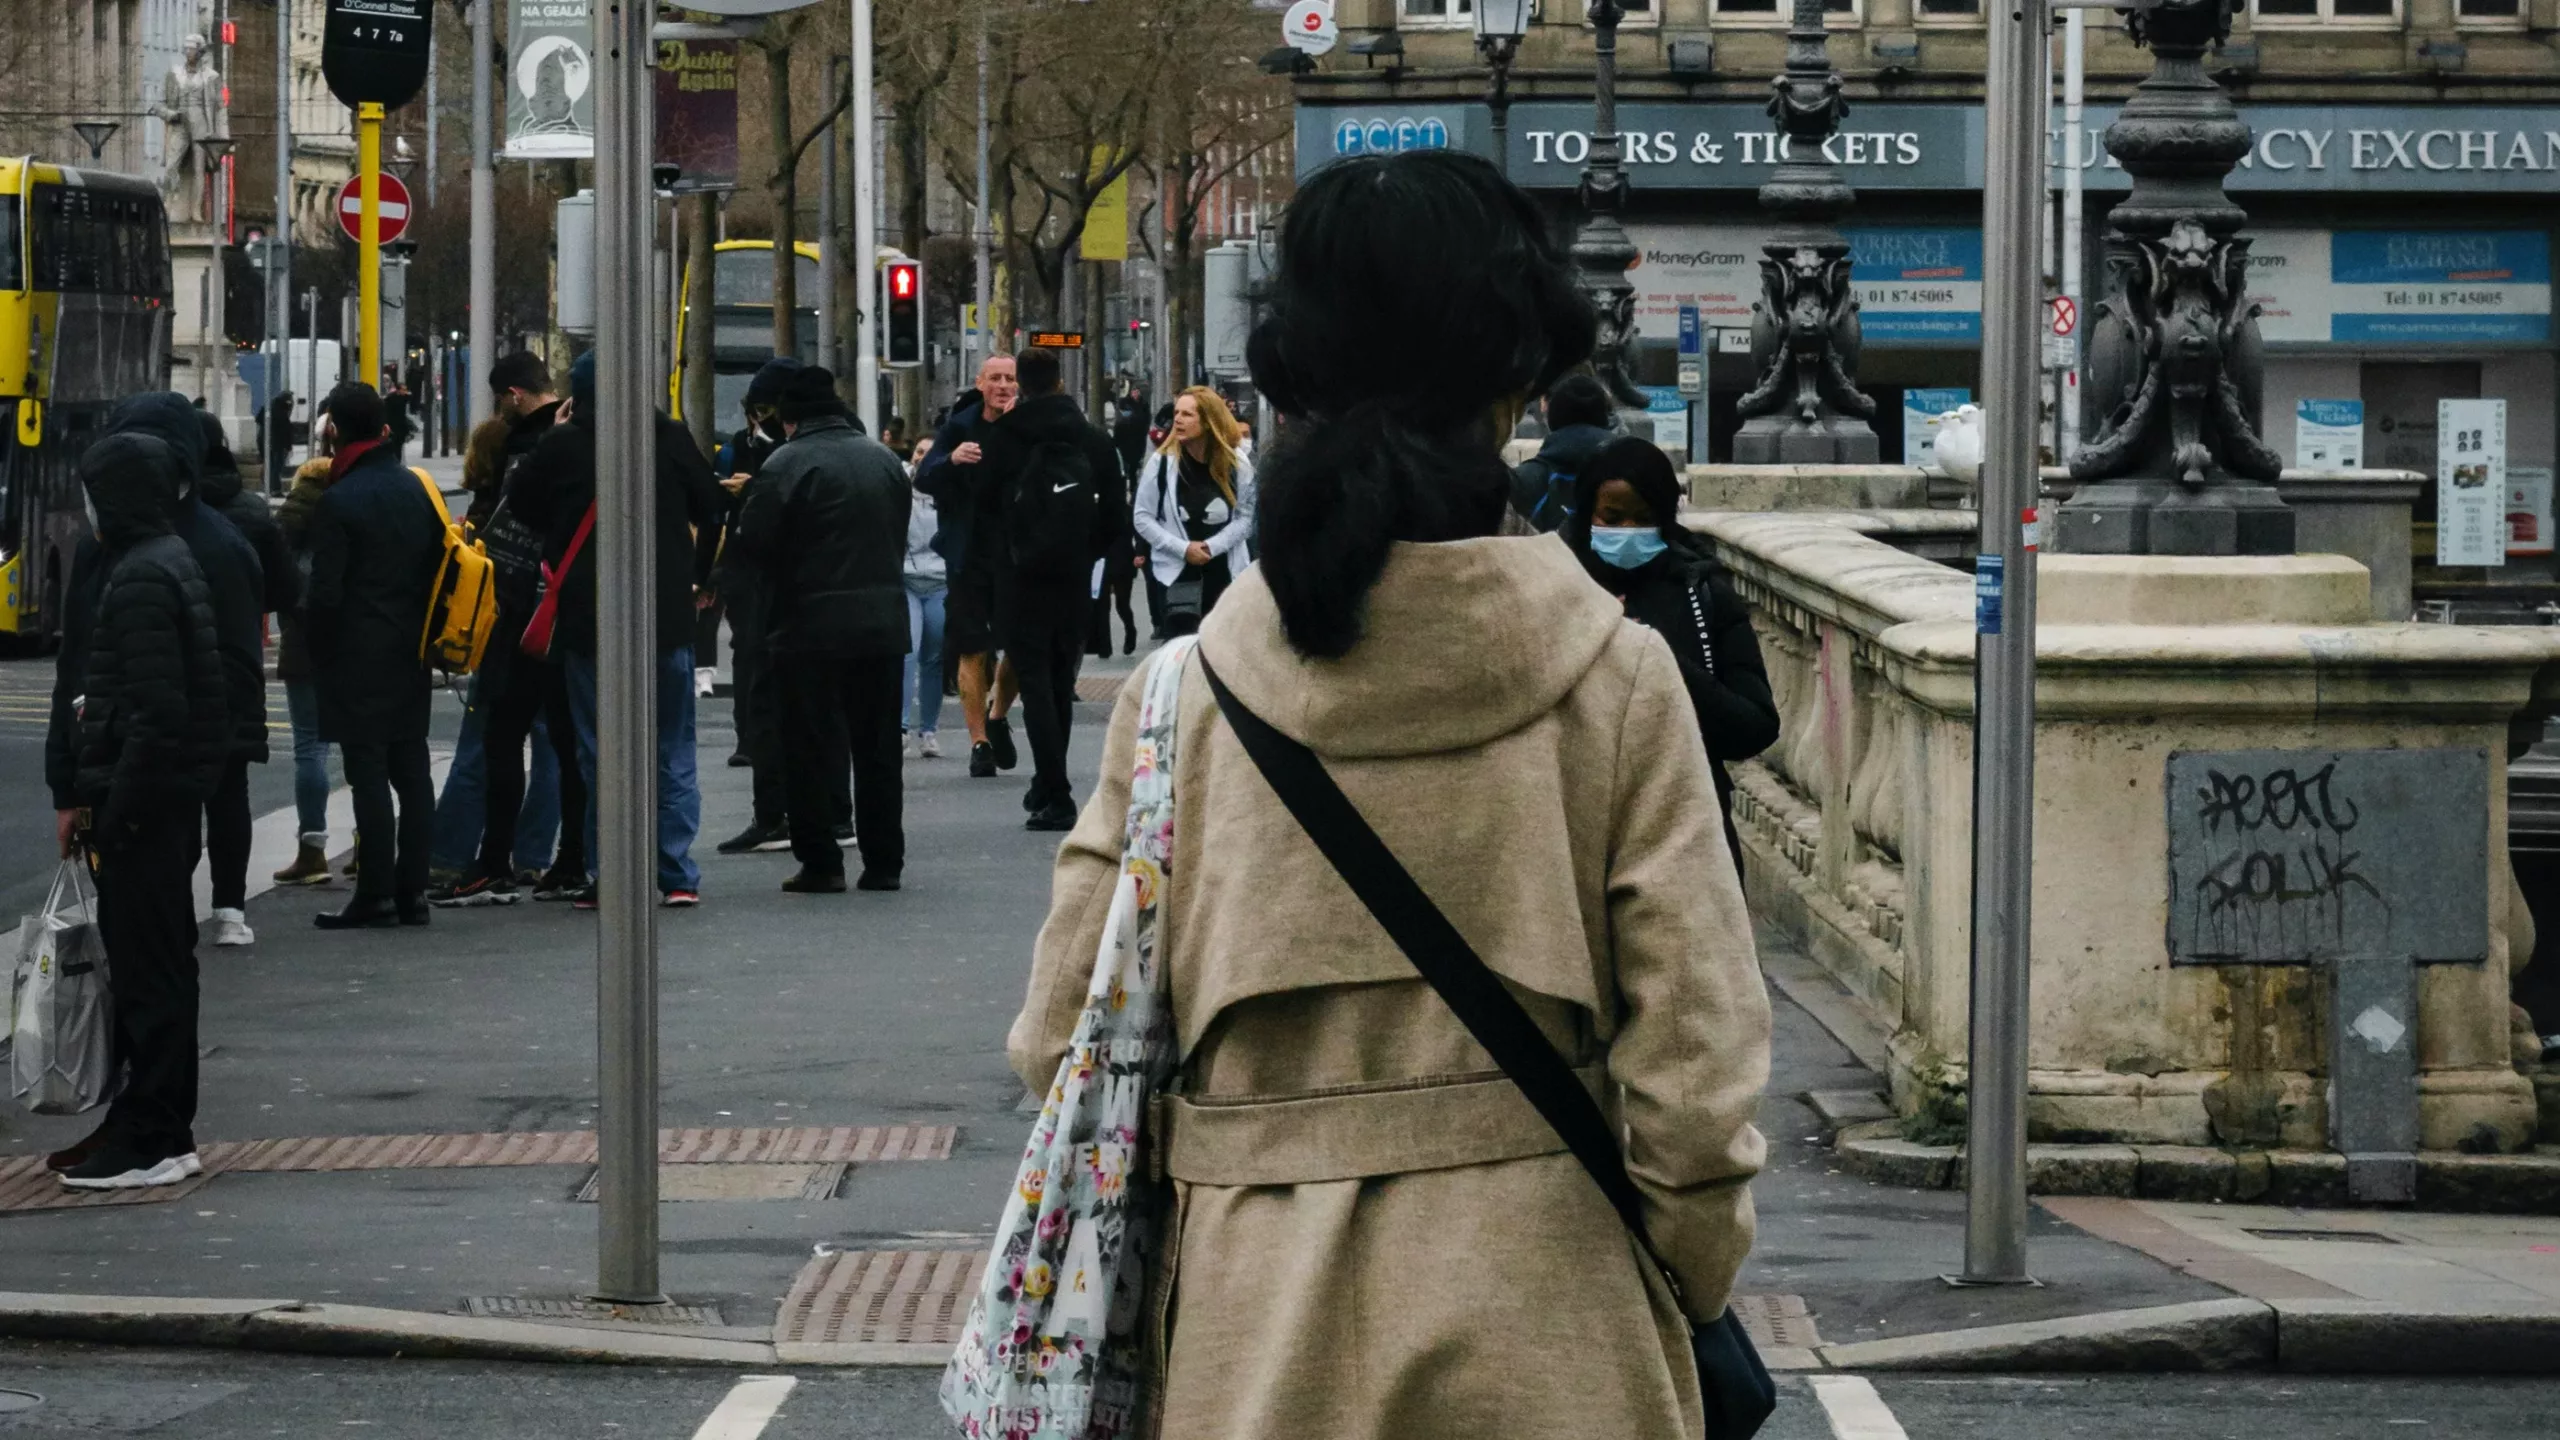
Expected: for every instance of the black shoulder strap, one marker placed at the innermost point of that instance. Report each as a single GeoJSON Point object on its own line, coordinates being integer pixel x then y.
{"type": "Point", "coordinates": [1491, 1013]}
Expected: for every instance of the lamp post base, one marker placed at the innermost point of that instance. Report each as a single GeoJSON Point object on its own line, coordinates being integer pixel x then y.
{"type": "Point", "coordinates": [2157, 517]}
{"type": "Point", "coordinates": [1786, 440]}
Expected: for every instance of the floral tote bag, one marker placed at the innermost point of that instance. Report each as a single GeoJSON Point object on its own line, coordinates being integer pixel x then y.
{"type": "Point", "coordinates": [1053, 1348]}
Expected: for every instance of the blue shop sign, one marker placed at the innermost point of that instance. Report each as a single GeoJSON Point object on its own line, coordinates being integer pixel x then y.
{"type": "Point", "coordinates": [1923, 145]}
{"type": "Point", "coordinates": [1917, 284]}
{"type": "Point", "coordinates": [2439, 286]}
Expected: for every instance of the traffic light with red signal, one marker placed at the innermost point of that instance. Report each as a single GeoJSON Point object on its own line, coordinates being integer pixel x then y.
{"type": "Point", "coordinates": [902, 312]}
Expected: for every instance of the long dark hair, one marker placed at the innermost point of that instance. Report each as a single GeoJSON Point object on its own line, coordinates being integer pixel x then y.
{"type": "Point", "coordinates": [1412, 293]}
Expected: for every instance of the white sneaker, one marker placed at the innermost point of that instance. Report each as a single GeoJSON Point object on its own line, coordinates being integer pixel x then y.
{"type": "Point", "coordinates": [231, 927]}
{"type": "Point", "coordinates": [930, 747]}
{"type": "Point", "coordinates": [191, 1164]}
{"type": "Point", "coordinates": [914, 748]}
{"type": "Point", "coordinates": [142, 1177]}
{"type": "Point", "coordinates": [703, 676]}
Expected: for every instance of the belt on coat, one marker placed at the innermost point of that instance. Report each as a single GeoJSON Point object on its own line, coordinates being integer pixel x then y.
{"type": "Point", "coordinates": [1435, 1124]}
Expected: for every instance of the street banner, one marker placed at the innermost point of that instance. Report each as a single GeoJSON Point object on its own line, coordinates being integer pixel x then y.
{"type": "Point", "coordinates": [2328, 434]}
{"type": "Point", "coordinates": [2471, 482]}
{"type": "Point", "coordinates": [1106, 225]}
{"type": "Point", "coordinates": [2529, 510]}
{"type": "Point", "coordinates": [1922, 409]}
{"type": "Point", "coordinates": [551, 106]}
{"type": "Point", "coordinates": [697, 84]}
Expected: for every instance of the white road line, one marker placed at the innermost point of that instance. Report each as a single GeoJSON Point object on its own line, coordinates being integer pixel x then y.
{"type": "Point", "coordinates": [1854, 1408]}
{"type": "Point", "coordinates": [750, 1406]}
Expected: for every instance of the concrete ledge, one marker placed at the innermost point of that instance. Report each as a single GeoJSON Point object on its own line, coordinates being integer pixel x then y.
{"type": "Point", "coordinates": [2366, 1337]}
{"type": "Point", "coordinates": [2205, 1335]}
{"type": "Point", "coordinates": [874, 1354]}
{"type": "Point", "coordinates": [130, 1319]}
{"type": "Point", "coordinates": [2469, 1184]}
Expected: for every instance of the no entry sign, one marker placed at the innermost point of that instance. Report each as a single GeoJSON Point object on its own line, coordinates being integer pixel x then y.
{"type": "Point", "coordinates": [391, 210]}
{"type": "Point", "coordinates": [2066, 315]}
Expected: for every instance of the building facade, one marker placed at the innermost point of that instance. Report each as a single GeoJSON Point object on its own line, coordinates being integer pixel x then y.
{"type": "Point", "coordinates": [2400, 190]}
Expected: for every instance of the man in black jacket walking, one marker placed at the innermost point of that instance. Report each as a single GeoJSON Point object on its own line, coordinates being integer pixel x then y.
{"type": "Point", "coordinates": [376, 542]}
{"type": "Point", "coordinates": [141, 752]}
{"type": "Point", "coordinates": [824, 531]}
{"type": "Point", "coordinates": [1055, 475]}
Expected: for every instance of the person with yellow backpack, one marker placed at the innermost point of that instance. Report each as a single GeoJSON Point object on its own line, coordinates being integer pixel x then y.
{"type": "Point", "coordinates": [381, 552]}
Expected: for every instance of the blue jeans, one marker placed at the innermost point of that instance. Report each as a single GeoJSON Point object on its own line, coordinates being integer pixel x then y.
{"type": "Point", "coordinates": [920, 682]}
{"type": "Point", "coordinates": [679, 795]}
{"type": "Point", "coordinates": [310, 757]}
{"type": "Point", "coordinates": [462, 812]}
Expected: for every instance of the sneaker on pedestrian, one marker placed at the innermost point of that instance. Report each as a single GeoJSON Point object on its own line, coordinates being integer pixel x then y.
{"type": "Point", "coordinates": [1000, 735]}
{"type": "Point", "coordinates": [877, 880]}
{"type": "Point", "coordinates": [121, 1167]}
{"type": "Point", "coordinates": [756, 838]}
{"type": "Point", "coordinates": [705, 679]}
{"type": "Point", "coordinates": [815, 882]}
{"type": "Point", "coordinates": [1056, 815]}
{"type": "Point", "coordinates": [911, 747]}
{"type": "Point", "coordinates": [231, 927]}
{"type": "Point", "coordinates": [982, 761]}
{"type": "Point", "coordinates": [680, 899]}
{"type": "Point", "coordinates": [929, 745]}
{"type": "Point", "coordinates": [310, 864]}
{"type": "Point", "coordinates": [583, 898]}
{"type": "Point", "coordinates": [414, 910]}
{"type": "Point", "coordinates": [191, 1163]}
{"type": "Point", "coordinates": [361, 913]}
{"type": "Point", "coordinates": [558, 884]}
{"type": "Point", "coordinates": [739, 760]}
{"type": "Point", "coordinates": [475, 890]}
{"type": "Point", "coordinates": [844, 835]}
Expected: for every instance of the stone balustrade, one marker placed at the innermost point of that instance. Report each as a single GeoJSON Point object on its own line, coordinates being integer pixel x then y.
{"type": "Point", "coordinates": [1857, 832]}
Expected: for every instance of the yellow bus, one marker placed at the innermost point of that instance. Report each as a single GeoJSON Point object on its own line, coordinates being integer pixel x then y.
{"type": "Point", "coordinates": [742, 326]}
{"type": "Point", "coordinates": [84, 322]}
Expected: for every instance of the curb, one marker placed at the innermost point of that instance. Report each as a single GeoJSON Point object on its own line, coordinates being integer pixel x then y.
{"type": "Point", "coordinates": [2299, 1337]}
{"type": "Point", "coordinates": [2447, 1180]}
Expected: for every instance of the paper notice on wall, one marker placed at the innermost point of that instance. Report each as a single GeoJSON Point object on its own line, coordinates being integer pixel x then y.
{"type": "Point", "coordinates": [1922, 409]}
{"type": "Point", "coordinates": [2328, 434]}
{"type": "Point", "coordinates": [2529, 510]}
{"type": "Point", "coordinates": [1668, 409]}
{"type": "Point", "coordinates": [2471, 482]}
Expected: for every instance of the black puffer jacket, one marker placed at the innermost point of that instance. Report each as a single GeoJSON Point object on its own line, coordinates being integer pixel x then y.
{"type": "Point", "coordinates": [824, 533]}
{"type": "Point", "coordinates": [229, 566]}
{"type": "Point", "coordinates": [226, 490]}
{"type": "Point", "coordinates": [153, 714]}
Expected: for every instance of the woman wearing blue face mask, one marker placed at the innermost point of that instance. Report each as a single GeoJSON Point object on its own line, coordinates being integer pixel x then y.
{"type": "Point", "coordinates": [1626, 528]}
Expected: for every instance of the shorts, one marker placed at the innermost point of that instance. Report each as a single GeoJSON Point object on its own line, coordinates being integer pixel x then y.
{"type": "Point", "coordinates": [969, 614]}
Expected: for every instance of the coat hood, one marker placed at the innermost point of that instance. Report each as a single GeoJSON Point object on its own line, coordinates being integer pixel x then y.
{"type": "Point", "coordinates": [130, 479]}
{"type": "Point", "coordinates": [1047, 419]}
{"type": "Point", "coordinates": [166, 416]}
{"type": "Point", "coordinates": [1574, 445]}
{"type": "Point", "coordinates": [1467, 641]}
{"type": "Point", "coordinates": [222, 480]}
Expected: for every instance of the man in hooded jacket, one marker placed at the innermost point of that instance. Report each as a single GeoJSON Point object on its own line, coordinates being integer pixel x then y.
{"type": "Point", "coordinates": [139, 750]}
{"type": "Point", "coordinates": [1578, 414]}
{"type": "Point", "coordinates": [226, 818]}
{"type": "Point", "coordinates": [824, 531]}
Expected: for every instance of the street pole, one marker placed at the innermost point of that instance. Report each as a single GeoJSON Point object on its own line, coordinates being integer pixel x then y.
{"type": "Point", "coordinates": [2075, 75]}
{"type": "Point", "coordinates": [311, 368]}
{"type": "Point", "coordinates": [626, 655]}
{"type": "Point", "coordinates": [2013, 205]}
{"type": "Point", "coordinates": [866, 228]}
{"type": "Point", "coordinates": [484, 222]}
{"type": "Point", "coordinates": [986, 287]}
{"type": "Point", "coordinates": [280, 246]}
{"type": "Point", "coordinates": [830, 289]}
{"type": "Point", "coordinates": [435, 116]}
{"type": "Point", "coordinates": [369, 243]}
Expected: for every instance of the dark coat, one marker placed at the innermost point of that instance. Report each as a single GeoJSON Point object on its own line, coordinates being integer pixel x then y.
{"type": "Point", "coordinates": [1039, 420]}
{"type": "Point", "coordinates": [293, 521]}
{"type": "Point", "coordinates": [952, 488]}
{"type": "Point", "coordinates": [825, 531]}
{"type": "Point", "coordinates": [742, 588]}
{"type": "Point", "coordinates": [232, 573]}
{"type": "Point", "coordinates": [376, 543]}
{"type": "Point", "coordinates": [250, 514]}
{"type": "Point", "coordinates": [551, 490]}
{"type": "Point", "coordinates": [1719, 662]}
{"type": "Point", "coordinates": [150, 736]}
{"type": "Point", "coordinates": [1542, 487]}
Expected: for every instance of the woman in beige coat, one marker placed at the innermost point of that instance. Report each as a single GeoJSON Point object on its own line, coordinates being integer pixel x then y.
{"type": "Point", "coordinates": [1374, 1234]}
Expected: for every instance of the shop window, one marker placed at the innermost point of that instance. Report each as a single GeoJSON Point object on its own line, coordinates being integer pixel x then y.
{"type": "Point", "coordinates": [1951, 10]}
{"type": "Point", "coordinates": [1422, 13]}
{"type": "Point", "coordinates": [1429, 14]}
{"type": "Point", "coordinates": [1836, 12]}
{"type": "Point", "coordinates": [2347, 12]}
{"type": "Point", "coordinates": [2490, 12]}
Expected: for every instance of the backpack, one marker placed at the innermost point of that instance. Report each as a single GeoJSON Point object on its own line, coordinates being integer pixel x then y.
{"type": "Point", "coordinates": [1049, 517]}
{"type": "Point", "coordinates": [463, 607]}
{"type": "Point", "coordinates": [1543, 494]}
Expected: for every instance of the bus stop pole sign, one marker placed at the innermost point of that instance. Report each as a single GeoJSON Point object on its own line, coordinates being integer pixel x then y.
{"type": "Point", "coordinates": [375, 52]}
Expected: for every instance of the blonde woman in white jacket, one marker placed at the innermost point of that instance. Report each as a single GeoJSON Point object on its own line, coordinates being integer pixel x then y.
{"type": "Point", "coordinates": [1194, 508]}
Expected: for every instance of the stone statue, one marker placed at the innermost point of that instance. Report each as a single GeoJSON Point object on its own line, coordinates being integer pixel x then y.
{"type": "Point", "coordinates": [190, 110]}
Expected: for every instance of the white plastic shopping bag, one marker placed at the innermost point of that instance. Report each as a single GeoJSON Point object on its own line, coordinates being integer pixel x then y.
{"type": "Point", "coordinates": [61, 1021]}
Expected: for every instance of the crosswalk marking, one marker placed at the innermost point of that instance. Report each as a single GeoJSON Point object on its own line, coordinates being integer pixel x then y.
{"type": "Point", "coordinates": [1854, 1408]}
{"type": "Point", "coordinates": [750, 1406]}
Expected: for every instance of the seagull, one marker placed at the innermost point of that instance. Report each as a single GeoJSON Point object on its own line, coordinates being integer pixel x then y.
{"type": "Point", "coordinates": [1959, 447]}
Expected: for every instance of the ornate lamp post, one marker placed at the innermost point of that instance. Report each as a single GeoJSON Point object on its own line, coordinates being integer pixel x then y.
{"type": "Point", "coordinates": [1500, 24]}
{"type": "Point", "coordinates": [1601, 250]}
{"type": "Point", "coordinates": [95, 134]}
{"type": "Point", "coordinates": [2173, 463]}
{"type": "Point", "coordinates": [1805, 407]}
